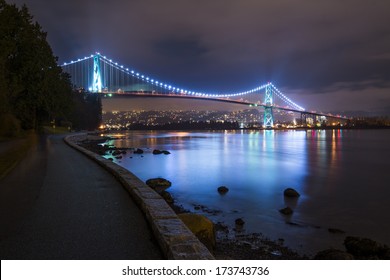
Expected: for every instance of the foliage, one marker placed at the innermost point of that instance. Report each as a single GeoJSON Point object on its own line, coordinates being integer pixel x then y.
{"type": "Point", "coordinates": [87, 112]}
{"type": "Point", "coordinates": [33, 87]}
{"type": "Point", "coordinates": [9, 126]}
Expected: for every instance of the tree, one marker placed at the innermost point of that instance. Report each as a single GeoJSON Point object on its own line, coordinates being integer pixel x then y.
{"type": "Point", "coordinates": [33, 87]}
{"type": "Point", "coordinates": [87, 110]}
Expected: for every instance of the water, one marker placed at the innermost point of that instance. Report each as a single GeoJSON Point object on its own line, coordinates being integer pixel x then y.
{"type": "Point", "coordinates": [342, 176]}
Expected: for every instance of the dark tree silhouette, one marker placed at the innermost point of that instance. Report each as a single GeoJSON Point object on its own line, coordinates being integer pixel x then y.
{"type": "Point", "coordinates": [33, 88]}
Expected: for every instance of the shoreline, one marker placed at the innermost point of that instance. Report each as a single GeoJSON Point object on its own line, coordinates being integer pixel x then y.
{"type": "Point", "coordinates": [250, 128]}
{"type": "Point", "coordinates": [241, 246]}
{"type": "Point", "coordinates": [235, 244]}
{"type": "Point", "coordinates": [232, 243]}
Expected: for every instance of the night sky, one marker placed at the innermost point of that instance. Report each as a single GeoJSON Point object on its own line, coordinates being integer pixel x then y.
{"type": "Point", "coordinates": [331, 55]}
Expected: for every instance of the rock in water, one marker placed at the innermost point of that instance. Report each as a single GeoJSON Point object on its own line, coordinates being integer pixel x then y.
{"type": "Point", "coordinates": [223, 190]}
{"type": "Point", "coordinates": [336, 231]}
{"type": "Point", "coordinates": [166, 152]}
{"type": "Point", "coordinates": [286, 211]}
{"type": "Point", "coordinates": [202, 227]}
{"type": "Point", "coordinates": [333, 254]}
{"type": "Point", "coordinates": [158, 184]}
{"type": "Point", "coordinates": [366, 249]}
{"type": "Point", "coordinates": [156, 152]}
{"type": "Point", "coordinates": [239, 222]}
{"type": "Point", "coordinates": [167, 196]}
{"type": "Point", "coordinates": [138, 151]}
{"type": "Point", "coordinates": [290, 192]}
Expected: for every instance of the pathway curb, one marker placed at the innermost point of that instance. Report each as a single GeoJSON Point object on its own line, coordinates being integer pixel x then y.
{"type": "Point", "coordinates": [176, 241]}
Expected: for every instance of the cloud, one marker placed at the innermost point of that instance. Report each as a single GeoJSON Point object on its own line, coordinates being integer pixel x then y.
{"type": "Point", "coordinates": [365, 95]}
{"type": "Point", "coordinates": [224, 45]}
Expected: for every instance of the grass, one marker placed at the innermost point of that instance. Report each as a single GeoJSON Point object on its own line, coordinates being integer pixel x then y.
{"type": "Point", "coordinates": [16, 152]}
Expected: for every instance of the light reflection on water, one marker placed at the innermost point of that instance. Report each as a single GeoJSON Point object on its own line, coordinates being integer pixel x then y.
{"type": "Point", "coordinates": [330, 168]}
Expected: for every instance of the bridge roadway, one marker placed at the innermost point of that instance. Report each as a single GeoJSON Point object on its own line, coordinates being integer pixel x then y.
{"type": "Point", "coordinates": [225, 100]}
{"type": "Point", "coordinates": [58, 204]}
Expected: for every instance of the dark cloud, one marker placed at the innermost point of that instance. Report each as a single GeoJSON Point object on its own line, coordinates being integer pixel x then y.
{"type": "Point", "coordinates": [228, 45]}
{"type": "Point", "coordinates": [178, 49]}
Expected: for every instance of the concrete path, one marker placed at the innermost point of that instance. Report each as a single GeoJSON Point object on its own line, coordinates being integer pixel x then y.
{"type": "Point", "coordinates": [58, 204]}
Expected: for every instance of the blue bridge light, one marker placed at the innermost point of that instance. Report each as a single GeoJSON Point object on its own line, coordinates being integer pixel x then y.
{"type": "Point", "coordinates": [111, 78]}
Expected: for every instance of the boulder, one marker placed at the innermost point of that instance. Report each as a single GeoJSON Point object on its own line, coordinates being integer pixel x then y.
{"type": "Point", "coordinates": [365, 249]}
{"type": "Point", "coordinates": [223, 190]}
{"type": "Point", "coordinates": [286, 211]}
{"type": "Point", "coordinates": [333, 254]}
{"type": "Point", "coordinates": [166, 152]}
{"type": "Point", "coordinates": [158, 184]}
{"type": "Point", "coordinates": [138, 151]}
{"type": "Point", "coordinates": [202, 227]}
{"type": "Point", "coordinates": [239, 222]}
{"type": "Point", "coordinates": [156, 152]}
{"type": "Point", "coordinates": [336, 231]}
{"type": "Point", "coordinates": [167, 196]}
{"type": "Point", "coordinates": [290, 192]}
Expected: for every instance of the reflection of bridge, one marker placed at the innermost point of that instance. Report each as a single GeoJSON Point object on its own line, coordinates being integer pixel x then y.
{"type": "Point", "coordinates": [97, 73]}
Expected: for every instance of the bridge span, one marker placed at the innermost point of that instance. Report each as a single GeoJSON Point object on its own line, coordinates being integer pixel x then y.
{"type": "Point", "coordinates": [97, 73]}
{"type": "Point", "coordinates": [220, 99]}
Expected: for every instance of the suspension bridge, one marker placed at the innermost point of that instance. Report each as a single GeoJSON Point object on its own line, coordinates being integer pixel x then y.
{"type": "Point", "coordinates": [99, 74]}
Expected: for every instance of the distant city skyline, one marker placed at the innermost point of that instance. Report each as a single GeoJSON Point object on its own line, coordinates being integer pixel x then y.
{"type": "Point", "coordinates": [327, 55]}
{"type": "Point", "coordinates": [119, 120]}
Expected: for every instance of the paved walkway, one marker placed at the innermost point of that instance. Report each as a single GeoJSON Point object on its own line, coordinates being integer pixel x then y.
{"type": "Point", "coordinates": [58, 204]}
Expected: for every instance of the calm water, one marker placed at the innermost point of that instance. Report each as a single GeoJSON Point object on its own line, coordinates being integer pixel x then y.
{"type": "Point", "coordinates": [343, 177]}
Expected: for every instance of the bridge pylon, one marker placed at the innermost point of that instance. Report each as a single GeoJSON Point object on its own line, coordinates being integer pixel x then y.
{"type": "Point", "coordinates": [97, 78]}
{"type": "Point", "coordinates": [268, 101]}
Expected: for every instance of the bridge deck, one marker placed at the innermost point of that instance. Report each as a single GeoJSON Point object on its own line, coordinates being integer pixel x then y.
{"type": "Point", "coordinates": [222, 99]}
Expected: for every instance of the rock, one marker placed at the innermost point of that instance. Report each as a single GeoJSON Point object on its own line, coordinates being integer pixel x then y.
{"type": "Point", "coordinates": [118, 157]}
{"type": "Point", "coordinates": [138, 151]}
{"type": "Point", "coordinates": [294, 224]}
{"type": "Point", "coordinates": [365, 249]}
{"type": "Point", "coordinates": [286, 211]}
{"type": "Point", "coordinates": [167, 196]}
{"type": "Point", "coordinates": [158, 184]}
{"type": "Point", "coordinates": [202, 227]}
{"type": "Point", "coordinates": [110, 159]}
{"type": "Point", "coordinates": [239, 222]}
{"type": "Point", "coordinates": [336, 230]}
{"type": "Point", "coordinates": [290, 192]}
{"type": "Point", "coordinates": [223, 190]}
{"type": "Point", "coordinates": [333, 254]}
{"type": "Point", "coordinates": [116, 153]}
{"type": "Point", "coordinates": [157, 152]}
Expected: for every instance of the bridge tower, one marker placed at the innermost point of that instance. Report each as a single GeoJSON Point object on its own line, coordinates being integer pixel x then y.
{"type": "Point", "coordinates": [268, 101]}
{"type": "Point", "coordinates": [97, 79]}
